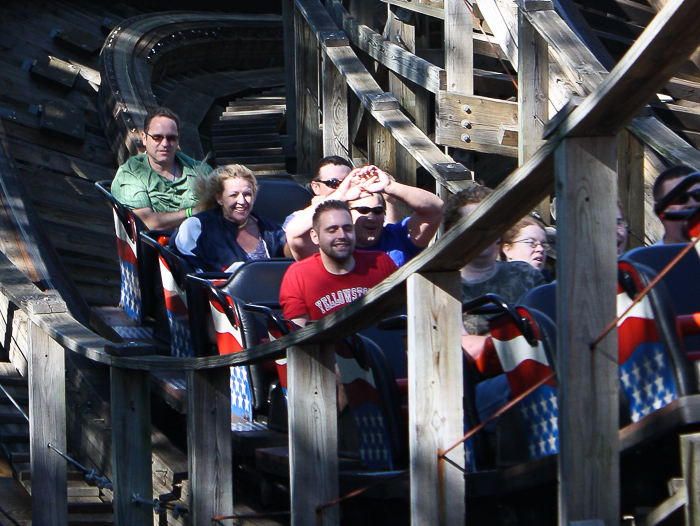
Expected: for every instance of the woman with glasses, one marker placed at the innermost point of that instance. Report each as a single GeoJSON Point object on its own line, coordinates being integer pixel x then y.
{"type": "Point", "coordinates": [526, 241]}
{"type": "Point", "coordinates": [227, 234]}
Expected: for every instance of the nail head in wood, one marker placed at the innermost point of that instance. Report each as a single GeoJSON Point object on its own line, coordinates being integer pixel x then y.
{"type": "Point", "coordinates": [453, 171]}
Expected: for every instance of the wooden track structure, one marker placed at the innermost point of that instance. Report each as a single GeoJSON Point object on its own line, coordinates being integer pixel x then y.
{"type": "Point", "coordinates": [577, 157]}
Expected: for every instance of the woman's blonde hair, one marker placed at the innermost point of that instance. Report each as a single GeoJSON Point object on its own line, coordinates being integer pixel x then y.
{"type": "Point", "coordinates": [212, 185]}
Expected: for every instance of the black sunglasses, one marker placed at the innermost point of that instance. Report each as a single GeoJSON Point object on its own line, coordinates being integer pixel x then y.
{"type": "Point", "coordinates": [330, 183]}
{"type": "Point", "coordinates": [159, 138]}
{"type": "Point", "coordinates": [684, 198]}
{"type": "Point", "coordinates": [364, 210]}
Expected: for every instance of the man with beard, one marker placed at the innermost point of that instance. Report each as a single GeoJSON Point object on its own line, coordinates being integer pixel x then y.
{"type": "Point", "coordinates": [318, 285]}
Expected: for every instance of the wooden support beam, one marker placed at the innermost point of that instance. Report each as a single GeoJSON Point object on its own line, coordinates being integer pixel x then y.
{"type": "Point", "coordinates": [209, 444]}
{"type": "Point", "coordinates": [630, 184]}
{"type": "Point", "coordinates": [392, 56]}
{"type": "Point", "coordinates": [459, 47]}
{"type": "Point", "coordinates": [313, 436]}
{"type": "Point", "coordinates": [381, 149]}
{"type": "Point", "coordinates": [335, 111]}
{"type": "Point", "coordinates": [690, 466]}
{"type": "Point", "coordinates": [587, 389]}
{"type": "Point", "coordinates": [310, 144]}
{"type": "Point", "coordinates": [433, 8]}
{"type": "Point", "coordinates": [131, 446]}
{"type": "Point", "coordinates": [47, 425]}
{"type": "Point", "coordinates": [473, 123]}
{"type": "Point", "coordinates": [289, 67]}
{"type": "Point", "coordinates": [533, 96]}
{"type": "Point", "coordinates": [436, 414]}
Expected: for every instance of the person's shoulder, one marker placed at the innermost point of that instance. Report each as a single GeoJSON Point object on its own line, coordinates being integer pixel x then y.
{"type": "Point", "coordinates": [303, 264]}
{"type": "Point", "coordinates": [374, 258]}
{"type": "Point", "coordinates": [189, 162]}
{"type": "Point", "coordinates": [133, 163]}
{"type": "Point", "coordinates": [525, 270]}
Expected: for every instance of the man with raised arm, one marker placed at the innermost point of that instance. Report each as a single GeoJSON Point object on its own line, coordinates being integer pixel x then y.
{"type": "Point", "coordinates": [364, 189]}
{"type": "Point", "coordinates": [159, 185]}
{"type": "Point", "coordinates": [337, 274]}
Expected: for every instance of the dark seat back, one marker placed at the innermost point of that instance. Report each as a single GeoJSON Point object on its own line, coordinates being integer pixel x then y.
{"type": "Point", "coordinates": [277, 198]}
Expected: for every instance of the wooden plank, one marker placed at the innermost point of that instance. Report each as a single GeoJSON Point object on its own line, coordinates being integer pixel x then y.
{"type": "Point", "coordinates": [401, 61]}
{"type": "Point", "coordinates": [587, 390]}
{"type": "Point", "coordinates": [309, 150]}
{"type": "Point", "coordinates": [289, 66]}
{"type": "Point", "coordinates": [533, 95]}
{"type": "Point", "coordinates": [381, 149]}
{"type": "Point", "coordinates": [209, 444]}
{"type": "Point", "coordinates": [630, 182]}
{"type": "Point", "coordinates": [502, 19]}
{"type": "Point", "coordinates": [335, 110]}
{"type": "Point", "coordinates": [690, 466]}
{"type": "Point", "coordinates": [313, 446]}
{"type": "Point", "coordinates": [665, 142]}
{"type": "Point", "coordinates": [473, 122]}
{"type": "Point", "coordinates": [131, 446]}
{"type": "Point", "coordinates": [459, 47]}
{"type": "Point", "coordinates": [47, 425]}
{"type": "Point", "coordinates": [432, 8]}
{"type": "Point", "coordinates": [435, 398]}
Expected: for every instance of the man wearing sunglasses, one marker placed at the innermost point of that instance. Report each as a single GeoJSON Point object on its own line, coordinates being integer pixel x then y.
{"type": "Point", "coordinates": [365, 190]}
{"type": "Point", "coordinates": [675, 230]}
{"type": "Point", "coordinates": [159, 185]}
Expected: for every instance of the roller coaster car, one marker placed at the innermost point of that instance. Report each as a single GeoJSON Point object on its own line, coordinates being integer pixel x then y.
{"type": "Point", "coordinates": [139, 277]}
{"type": "Point", "coordinates": [657, 395]}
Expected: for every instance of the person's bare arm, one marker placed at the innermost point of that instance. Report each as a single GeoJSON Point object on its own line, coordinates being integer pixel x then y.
{"type": "Point", "coordinates": [160, 220]}
{"type": "Point", "coordinates": [302, 320]}
{"type": "Point", "coordinates": [427, 207]}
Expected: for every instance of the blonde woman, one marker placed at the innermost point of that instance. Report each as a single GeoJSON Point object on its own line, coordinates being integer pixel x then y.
{"type": "Point", "coordinates": [227, 234]}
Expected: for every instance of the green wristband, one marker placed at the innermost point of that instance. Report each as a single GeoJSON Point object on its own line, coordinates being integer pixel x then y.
{"type": "Point", "coordinates": [188, 212]}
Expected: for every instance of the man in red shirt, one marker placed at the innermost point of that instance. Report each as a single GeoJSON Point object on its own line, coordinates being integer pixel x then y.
{"type": "Point", "coordinates": [316, 286]}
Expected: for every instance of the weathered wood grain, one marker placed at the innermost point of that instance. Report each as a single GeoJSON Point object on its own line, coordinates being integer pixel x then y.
{"type": "Point", "coordinates": [435, 398]}
{"type": "Point", "coordinates": [313, 437]}
{"type": "Point", "coordinates": [587, 391]}
{"type": "Point", "coordinates": [47, 425]}
{"type": "Point", "coordinates": [335, 110]}
{"type": "Point", "coordinates": [459, 47]}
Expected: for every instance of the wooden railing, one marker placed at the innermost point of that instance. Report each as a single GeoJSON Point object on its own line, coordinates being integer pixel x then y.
{"type": "Point", "coordinates": [578, 150]}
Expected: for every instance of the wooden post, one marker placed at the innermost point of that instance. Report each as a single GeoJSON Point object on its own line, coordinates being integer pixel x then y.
{"type": "Point", "coordinates": [313, 434]}
{"type": "Point", "coordinates": [381, 147]}
{"type": "Point", "coordinates": [630, 181]}
{"type": "Point", "coordinates": [533, 95]}
{"type": "Point", "coordinates": [690, 464]}
{"type": "Point", "coordinates": [436, 414]}
{"type": "Point", "coordinates": [289, 69]}
{"type": "Point", "coordinates": [47, 425]}
{"type": "Point", "coordinates": [209, 444]}
{"type": "Point", "coordinates": [309, 138]}
{"type": "Point", "coordinates": [335, 111]}
{"type": "Point", "coordinates": [131, 446]}
{"type": "Point", "coordinates": [459, 47]}
{"type": "Point", "coordinates": [587, 392]}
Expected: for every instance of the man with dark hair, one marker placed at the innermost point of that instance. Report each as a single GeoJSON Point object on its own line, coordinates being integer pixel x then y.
{"type": "Point", "coordinates": [675, 230]}
{"type": "Point", "coordinates": [337, 275]}
{"type": "Point", "coordinates": [159, 185]}
{"type": "Point", "coordinates": [366, 190]}
{"type": "Point", "coordinates": [330, 172]}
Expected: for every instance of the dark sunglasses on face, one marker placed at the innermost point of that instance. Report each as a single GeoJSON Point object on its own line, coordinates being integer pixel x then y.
{"type": "Point", "coordinates": [364, 210]}
{"type": "Point", "coordinates": [684, 198]}
{"type": "Point", "coordinates": [159, 138]}
{"type": "Point", "coordinates": [330, 183]}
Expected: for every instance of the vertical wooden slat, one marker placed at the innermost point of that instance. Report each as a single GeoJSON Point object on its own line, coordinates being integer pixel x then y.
{"type": "Point", "coordinates": [381, 147]}
{"type": "Point", "coordinates": [586, 291]}
{"type": "Point", "coordinates": [335, 111]}
{"type": "Point", "coordinates": [690, 464]}
{"type": "Point", "coordinates": [459, 47]}
{"type": "Point", "coordinates": [533, 93]}
{"type": "Point", "coordinates": [47, 425]}
{"type": "Point", "coordinates": [436, 415]}
{"type": "Point", "coordinates": [309, 137]}
{"type": "Point", "coordinates": [289, 70]}
{"type": "Point", "coordinates": [131, 446]}
{"type": "Point", "coordinates": [630, 182]}
{"type": "Point", "coordinates": [313, 434]}
{"type": "Point", "coordinates": [209, 444]}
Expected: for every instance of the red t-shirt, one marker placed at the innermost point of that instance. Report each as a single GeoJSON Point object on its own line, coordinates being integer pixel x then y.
{"type": "Point", "coordinates": [308, 288]}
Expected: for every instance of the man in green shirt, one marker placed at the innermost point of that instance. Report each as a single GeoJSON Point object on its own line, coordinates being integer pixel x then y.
{"type": "Point", "coordinates": [159, 185]}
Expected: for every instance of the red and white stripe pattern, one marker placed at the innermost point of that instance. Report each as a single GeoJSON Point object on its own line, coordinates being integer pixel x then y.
{"type": "Point", "coordinates": [229, 337]}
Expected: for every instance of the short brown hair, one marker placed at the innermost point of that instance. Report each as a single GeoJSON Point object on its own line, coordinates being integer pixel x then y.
{"type": "Point", "coordinates": [325, 206]}
{"type": "Point", "coordinates": [453, 209]}
{"type": "Point", "coordinates": [335, 160]}
{"type": "Point", "coordinates": [675, 172]}
{"type": "Point", "coordinates": [161, 112]}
